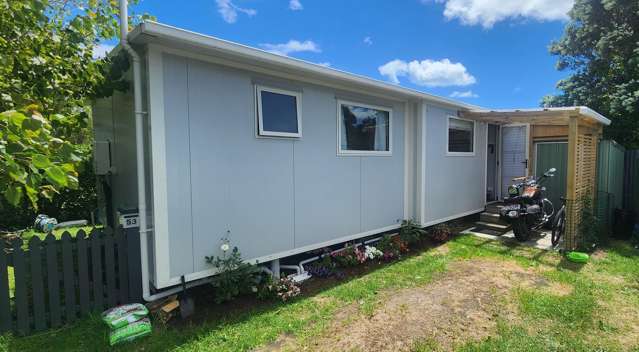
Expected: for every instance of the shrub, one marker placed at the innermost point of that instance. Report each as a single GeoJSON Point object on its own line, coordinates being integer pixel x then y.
{"type": "Point", "coordinates": [441, 233]}
{"type": "Point", "coordinates": [350, 256]}
{"type": "Point", "coordinates": [68, 204]}
{"type": "Point", "coordinates": [634, 238]}
{"type": "Point", "coordinates": [591, 232]}
{"type": "Point", "coordinates": [411, 232]}
{"type": "Point", "coordinates": [234, 278]}
{"type": "Point", "coordinates": [392, 247]}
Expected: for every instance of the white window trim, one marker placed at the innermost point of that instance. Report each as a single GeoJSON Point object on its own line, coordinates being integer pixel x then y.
{"type": "Point", "coordinates": [342, 152]}
{"type": "Point", "coordinates": [261, 132]}
{"type": "Point", "coordinates": [449, 153]}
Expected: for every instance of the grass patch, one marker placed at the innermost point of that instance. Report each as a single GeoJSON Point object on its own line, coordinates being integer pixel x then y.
{"type": "Point", "coordinates": [574, 309]}
{"type": "Point", "coordinates": [546, 321]}
{"type": "Point", "coordinates": [519, 339]}
{"type": "Point", "coordinates": [304, 317]}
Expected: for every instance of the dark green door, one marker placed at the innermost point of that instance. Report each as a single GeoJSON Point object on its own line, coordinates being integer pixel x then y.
{"type": "Point", "coordinates": [552, 154]}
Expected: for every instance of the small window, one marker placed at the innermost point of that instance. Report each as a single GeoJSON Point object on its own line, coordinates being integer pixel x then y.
{"type": "Point", "coordinates": [461, 136]}
{"type": "Point", "coordinates": [364, 129]}
{"type": "Point", "coordinates": [278, 113]}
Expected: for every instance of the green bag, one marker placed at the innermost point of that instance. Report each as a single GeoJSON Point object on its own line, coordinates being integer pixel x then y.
{"type": "Point", "coordinates": [123, 315]}
{"type": "Point", "coordinates": [130, 332]}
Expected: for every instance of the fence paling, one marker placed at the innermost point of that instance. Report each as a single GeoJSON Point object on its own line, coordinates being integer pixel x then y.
{"type": "Point", "coordinates": [37, 286]}
{"type": "Point", "coordinates": [57, 279]}
{"type": "Point", "coordinates": [20, 275]}
{"type": "Point", "coordinates": [52, 279]}
{"type": "Point", "coordinates": [96, 263]}
{"type": "Point", "coordinates": [69, 278]}
{"type": "Point", "coordinates": [83, 272]}
{"type": "Point", "coordinates": [5, 304]}
{"type": "Point", "coordinates": [123, 277]}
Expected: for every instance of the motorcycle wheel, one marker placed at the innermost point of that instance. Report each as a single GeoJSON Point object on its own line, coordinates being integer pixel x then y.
{"type": "Point", "coordinates": [521, 231]}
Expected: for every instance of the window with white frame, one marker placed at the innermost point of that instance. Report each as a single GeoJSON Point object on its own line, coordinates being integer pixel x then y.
{"type": "Point", "coordinates": [461, 136]}
{"type": "Point", "coordinates": [364, 129]}
{"type": "Point", "coordinates": [278, 112]}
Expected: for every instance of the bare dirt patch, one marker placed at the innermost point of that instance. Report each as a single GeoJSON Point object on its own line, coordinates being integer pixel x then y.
{"type": "Point", "coordinates": [461, 306]}
{"type": "Point", "coordinates": [442, 249]}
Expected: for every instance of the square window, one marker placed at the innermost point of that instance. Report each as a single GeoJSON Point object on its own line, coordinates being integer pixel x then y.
{"type": "Point", "coordinates": [278, 112]}
{"type": "Point", "coordinates": [364, 129]}
{"type": "Point", "coordinates": [461, 136]}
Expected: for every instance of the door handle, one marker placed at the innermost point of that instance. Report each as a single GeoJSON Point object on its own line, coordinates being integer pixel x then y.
{"type": "Point", "coordinates": [525, 162]}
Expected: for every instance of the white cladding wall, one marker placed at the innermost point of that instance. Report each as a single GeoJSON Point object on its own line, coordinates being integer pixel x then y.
{"type": "Point", "coordinates": [271, 195]}
{"type": "Point", "coordinates": [453, 186]}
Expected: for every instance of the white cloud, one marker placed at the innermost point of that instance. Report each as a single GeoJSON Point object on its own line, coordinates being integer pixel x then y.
{"type": "Point", "coordinates": [292, 46]}
{"type": "Point", "coordinates": [489, 12]}
{"type": "Point", "coordinates": [368, 41]}
{"type": "Point", "coordinates": [229, 10]}
{"type": "Point", "coordinates": [101, 50]}
{"type": "Point", "coordinates": [428, 73]}
{"type": "Point", "coordinates": [466, 94]}
{"type": "Point", "coordinates": [295, 5]}
{"type": "Point", "coordinates": [325, 64]}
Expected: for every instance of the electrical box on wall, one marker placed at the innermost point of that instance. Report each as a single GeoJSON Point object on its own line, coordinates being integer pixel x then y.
{"type": "Point", "coordinates": [102, 158]}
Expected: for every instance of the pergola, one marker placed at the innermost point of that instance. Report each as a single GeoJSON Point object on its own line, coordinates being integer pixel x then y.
{"type": "Point", "coordinates": [582, 128]}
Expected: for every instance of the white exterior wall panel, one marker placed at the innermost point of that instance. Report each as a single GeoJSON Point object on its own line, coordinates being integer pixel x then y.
{"type": "Point", "coordinates": [454, 185]}
{"type": "Point", "coordinates": [271, 197]}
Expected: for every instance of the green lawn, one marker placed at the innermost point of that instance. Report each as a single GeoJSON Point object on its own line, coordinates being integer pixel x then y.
{"type": "Point", "coordinates": [593, 316]}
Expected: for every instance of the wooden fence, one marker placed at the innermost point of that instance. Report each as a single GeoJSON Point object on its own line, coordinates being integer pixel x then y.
{"type": "Point", "coordinates": [49, 283]}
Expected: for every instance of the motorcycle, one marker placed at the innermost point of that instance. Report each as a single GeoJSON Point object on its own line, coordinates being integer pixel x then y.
{"type": "Point", "coordinates": [526, 208]}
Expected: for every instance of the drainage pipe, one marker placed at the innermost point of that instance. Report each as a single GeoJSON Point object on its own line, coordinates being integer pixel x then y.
{"type": "Point", "coordinates": [139, 155]}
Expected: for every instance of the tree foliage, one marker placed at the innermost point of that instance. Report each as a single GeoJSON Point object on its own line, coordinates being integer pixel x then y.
{"type": "Point", "coordinates": [47, 77]}
{"type": "Point", "coordinates": [35, 162]}
{"type": "Point", "coordinates": [600, 48]}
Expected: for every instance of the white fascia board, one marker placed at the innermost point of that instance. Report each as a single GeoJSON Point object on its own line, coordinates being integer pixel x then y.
{"type": "Point", "coordinates": [183, 36]}
{"type": "Point", "coordinates": [584, 110]}
{"type": "Point", "coordinates": [581, 110]}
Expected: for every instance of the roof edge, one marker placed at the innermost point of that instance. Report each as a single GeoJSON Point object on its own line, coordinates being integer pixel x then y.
{"type": "Point", "coordinates": [197, 39]}
{"type": "Point", "coordinates": [582, 110]}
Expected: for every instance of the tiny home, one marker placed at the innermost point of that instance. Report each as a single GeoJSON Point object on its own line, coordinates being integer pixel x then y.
{"type": "Point", "coordinates": [279, 156]}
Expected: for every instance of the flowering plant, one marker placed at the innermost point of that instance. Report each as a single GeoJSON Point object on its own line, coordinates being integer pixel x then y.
{"type": "Point", "coordinates": [324, 267]}
{"type": "Point", "coordinates": [283, 289]}
{"type": "Point", "coordinates": [234, 277]}
{"type": "Point", "coordinates": [371, 253]}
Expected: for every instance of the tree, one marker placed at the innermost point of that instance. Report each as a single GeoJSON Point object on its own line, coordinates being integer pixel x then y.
{"type": "Point", "coordinates": [600, 48]}
{"type": "Point", "coordinates": [47, 77]}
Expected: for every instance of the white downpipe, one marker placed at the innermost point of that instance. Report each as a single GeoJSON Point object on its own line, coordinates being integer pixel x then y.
{"type": "Point", "coordinates": [139, 155]}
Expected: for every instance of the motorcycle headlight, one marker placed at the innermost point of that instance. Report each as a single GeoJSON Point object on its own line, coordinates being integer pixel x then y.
{"type": "Point", "coordinates": [512, 214]}
{"type": "Point", "coordinates": [513, 191]}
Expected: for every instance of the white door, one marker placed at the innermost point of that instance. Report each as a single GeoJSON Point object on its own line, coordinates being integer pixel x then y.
{"type": "Point", "coordinates": [514, 155]}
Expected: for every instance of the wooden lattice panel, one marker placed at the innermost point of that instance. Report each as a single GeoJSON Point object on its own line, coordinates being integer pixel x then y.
{"type": "Point", "coordinates": [585, 179]}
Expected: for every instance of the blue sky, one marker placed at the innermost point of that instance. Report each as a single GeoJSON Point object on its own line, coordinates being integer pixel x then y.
{"type": "Point", "coordinates": [492, 53]}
